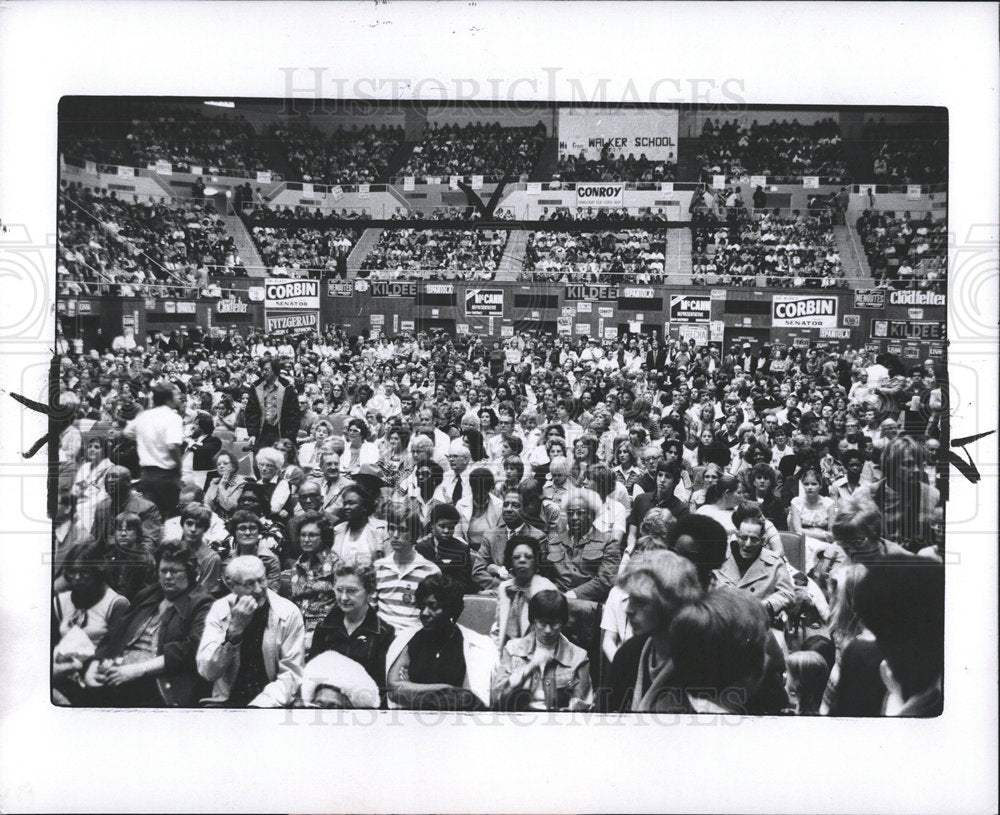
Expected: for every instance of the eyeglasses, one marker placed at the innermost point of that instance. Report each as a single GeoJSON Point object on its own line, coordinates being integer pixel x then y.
{"type": "Point", "coordinates": [250, 582]}
{"type": "Point", "coordinates": [751, 539]}
{"type": "Point", "coordinates": [166, 571]}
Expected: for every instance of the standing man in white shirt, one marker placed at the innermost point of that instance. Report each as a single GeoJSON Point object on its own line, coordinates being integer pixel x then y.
{"type": "Point", "coordinates": [159, 439]}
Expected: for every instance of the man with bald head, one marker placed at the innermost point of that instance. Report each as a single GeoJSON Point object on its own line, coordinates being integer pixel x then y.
{"type": "Point", "coordinates": [253, 645]}
{"type": "Point", "coordinates": [456, 480]}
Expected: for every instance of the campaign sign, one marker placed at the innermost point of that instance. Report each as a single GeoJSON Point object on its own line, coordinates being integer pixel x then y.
{"type": "Point", "coordinates": [485, 302]}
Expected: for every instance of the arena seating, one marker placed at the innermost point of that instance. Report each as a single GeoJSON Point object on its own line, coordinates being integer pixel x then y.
{"type": "Point", "coordinates": [453, 254]}
{"type": "Point", "coordinates": [903, 252]}
{"type": "Point", "coordinates": [777, 149]}
{"type": "Point", "coordinates": [357, 156]}
{"type": "Point", "coordinates": [481, 149]}
{"type": "Point", "coordinates": [628, 256]}
{"type": "Point", "coordinates": [907, 153]}
{"type": "Point", "coordinates": [142, 133]}
{"type": "Point", "coordinates": [109, 246]}
{"type": "Point", "coordinates": [612, 168]}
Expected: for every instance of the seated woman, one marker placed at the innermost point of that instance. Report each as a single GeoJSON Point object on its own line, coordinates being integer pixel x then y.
{"type": "Point", "coordinates": [224, 491]}
{"type": "Point", "coordinates": [309, 452]}
{"type": "Point", "coordinates": [312, 574]}
{"type": "Point", "coordinates": [521, 558]}
{"type": "Point", "coordinates": [360, 539]}
{"type": "Point", "coordinates": [148, 658]}
{"type": "Point", "coordinates": [353, 627]}
{"type": "Point", "coordinates": [360, 448]}
{"type": "Point", "coordinates": [543, 670]}
{"type": "Point", "coordinates": [441, 665]}
{"type": "Point", "coordinates": [709, 476]}
{"type": "Point", "coordinates": [721, 499]}
{"type": "Point", "coordinates": [269, 464]}
{"type": "Point", "coordinates": [806, 675]}
{"type": "Point", "coordinates": [88, 486]}
{"type": "Point", "coordinates": [247, 539]}
{"type": "Point", "coordinates": [129, 564]}
{"type": "Point", "coordinates": [88, 608]}
{"type": "Point", "coordinates": [812, 515]}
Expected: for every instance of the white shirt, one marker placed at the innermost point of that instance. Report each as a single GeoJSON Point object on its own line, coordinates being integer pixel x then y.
{"type": "Point", "coordinates": [155, 432]}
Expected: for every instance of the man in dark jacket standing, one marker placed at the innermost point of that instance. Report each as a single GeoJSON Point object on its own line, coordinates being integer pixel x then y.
{"type": "Point", "coordinates": [273, 409]}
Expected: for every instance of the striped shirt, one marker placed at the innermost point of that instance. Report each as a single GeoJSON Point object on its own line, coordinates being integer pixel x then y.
{"type": "Point", "coordinates": [396, 588]}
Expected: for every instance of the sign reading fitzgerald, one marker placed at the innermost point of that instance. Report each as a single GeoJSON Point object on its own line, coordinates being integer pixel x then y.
{"type": "Point", "coordinates": [296, 295]}
{"type": "Point", "coordinates": [293, 322]}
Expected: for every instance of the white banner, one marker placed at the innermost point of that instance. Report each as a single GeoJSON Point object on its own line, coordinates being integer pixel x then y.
{"type": "Point", "coordinates": [281, 294]}
{"type": "Point", "coordinates": [477, 183]}
{"type": "Point", "coordinates": [758, 181]}
{"type": "Point", "coordinates": [126, 172]}
{"type": "Point", "coordinates": [621, 130]}
{"type": "Point", "coordinates": [196, 170]}
{"type": "Point", "coordinates": [292, 322]}
{"type": "Point", "coordinates": [364, 190]}
{"type": "Point", "coordinates": [453, 181]}
{"type": "Point", "coordinates": [810, 182]}
{"type": "Point", "coordinates": [337, 192]}
{"type": "Point", "coordinates": [600, 195]}
{"type": "Point", "coordinates": [409, 182]}
{"type": "Point", "coordinates": [163, 168]}
{"type": "Point", "coordinates": [718, 182]}
{"type": "Point", "coordinates": [803, 311]}
{"type": "Point", "coordinates": [263, 176]}
{"type": "Point", "coordinates": [913, 192]}
{"type": "Point", "coordinates": [534, 188]}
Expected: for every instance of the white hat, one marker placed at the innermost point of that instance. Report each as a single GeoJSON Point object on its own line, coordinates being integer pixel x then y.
{"type": "Point", "coordinates": [333, 670]}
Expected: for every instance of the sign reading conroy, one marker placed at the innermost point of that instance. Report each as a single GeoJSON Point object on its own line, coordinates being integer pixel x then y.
{"type": "Point", "coordinates": [620, 130]}
{"type": "Point", "coordinates": [802, 311]}
{"type": "Point", "coordinates": [291, 295]}
{"type": "Point", "coordinates": [600, 195]}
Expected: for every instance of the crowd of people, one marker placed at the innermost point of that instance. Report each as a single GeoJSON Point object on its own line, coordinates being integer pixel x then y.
{"type": "Point", "coordinates": [539, 524]}
{"type": "Point", "coordinates": [903, 252]}
{"type": "Point", "coordinates": [359, 155]}
{"type": "Point", "coordinates": [615, 168]}
{"type": "Point", "coordinates": [779, 149]}
{"type": "Point", "coordinates": [111, 246]}
{"type": "Point", "coordinates": [485, 149]}
{"type": "Point", "coordinates": [138, 134]}
{"type": "Point", "coordinates": [627, 256]}
{"type": "Point", "coordinates": [449, 254]}
{"type": "Point", "coordinates": [797, 249]}
{"type": "Point", "coordinates": [907, 153]}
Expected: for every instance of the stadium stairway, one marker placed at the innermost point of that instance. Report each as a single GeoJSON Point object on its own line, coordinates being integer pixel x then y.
{"type": "Point", "coordinates": [512, 261]}
{"type": "Point", "coordinates": [548, 162]}
{"type": "Point", "coordinates": [398, 159]}
{"type": "Point", "coordinates": [677, 260]}
{"type": "Point", "coordinates": [364, 245]}
{"type": "Point", "coordinates": [688, 168]}
{"type": "Point", "coordinates": [245, 246]}
{"type": "Point", "coordinates": [852, 257]}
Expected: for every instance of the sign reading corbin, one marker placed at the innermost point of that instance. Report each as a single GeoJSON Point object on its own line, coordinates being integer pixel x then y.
{"type": "Point", "coordinates": [291, 295]}
{"type": "Point", "coordinates": [803, 311]}
{"type": "Point", "coordinates": [394, 288]}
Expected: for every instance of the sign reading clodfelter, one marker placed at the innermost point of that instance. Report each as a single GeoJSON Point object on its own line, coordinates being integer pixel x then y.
{"type": "Point", "coordinates": [803, 311]}
{"type": "Point", "coordinates": [484, 302]}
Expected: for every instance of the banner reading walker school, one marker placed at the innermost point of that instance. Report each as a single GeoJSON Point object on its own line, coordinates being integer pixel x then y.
{"type": "Point", "coordinates": [622, 130]}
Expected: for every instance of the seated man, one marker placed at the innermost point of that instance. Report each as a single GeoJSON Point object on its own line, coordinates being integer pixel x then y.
{"type": "Point", "coordinates": [253, 645]}
{"type": "Point", "coordinates": [752, 568]}
{"type": "Point", "coordinates": [582, 561]}
{"type": "Point", "coordinates": [449, 553]}
{"type": "Point", "coordinates": [487, 566]}
{"type": "Point", "coordinates": [190, 494]}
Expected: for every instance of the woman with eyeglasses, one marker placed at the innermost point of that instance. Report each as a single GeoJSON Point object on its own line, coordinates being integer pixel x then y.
{"type": "Point", "coordinates": [352, 627]}
{"type": "Point", "coordinates": [312, 574]}
{"type": "Point", "coordinates": [360, 448]}
{"type": "Point", "coordinates": [147, 659]}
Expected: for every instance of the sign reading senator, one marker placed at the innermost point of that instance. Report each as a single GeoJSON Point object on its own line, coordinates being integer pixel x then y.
{"type": "Point", "coordinates": [803, 311]}
{"type": "Point", "coordinates": [485, 302]}
{"type": "Point", "coordinates": [291, 295]}
{"type": "Point", "coordinates": [690, 308]}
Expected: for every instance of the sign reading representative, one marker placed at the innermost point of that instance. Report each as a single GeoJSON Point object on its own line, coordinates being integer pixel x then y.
{"type": "Point", "coordinates": [690, 308]}
{"type": "Point", "coordinates": [281, 294]}
{"type": "Point", "coordinates": [803, 311]}
{"type": "Point", "coordinates": [484, 302]}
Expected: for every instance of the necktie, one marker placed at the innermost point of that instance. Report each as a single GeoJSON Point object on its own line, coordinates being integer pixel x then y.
{"type": "Point", "coordinates": [517, 598]}
{"type": "Point", "coordinates": [456, 494]}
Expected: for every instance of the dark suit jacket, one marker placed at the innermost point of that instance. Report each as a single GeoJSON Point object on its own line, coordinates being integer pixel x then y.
{"type": "Point", "coordinates": [289, 415]}
{"type": "Point", "coordinates": [150, 532]}
{"type": "Point", "coordinates": [453, 558]}
{"type": "Point", "coordinates": [177, 641]}
{"type": "Point", "coordinates": [205, 451]}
